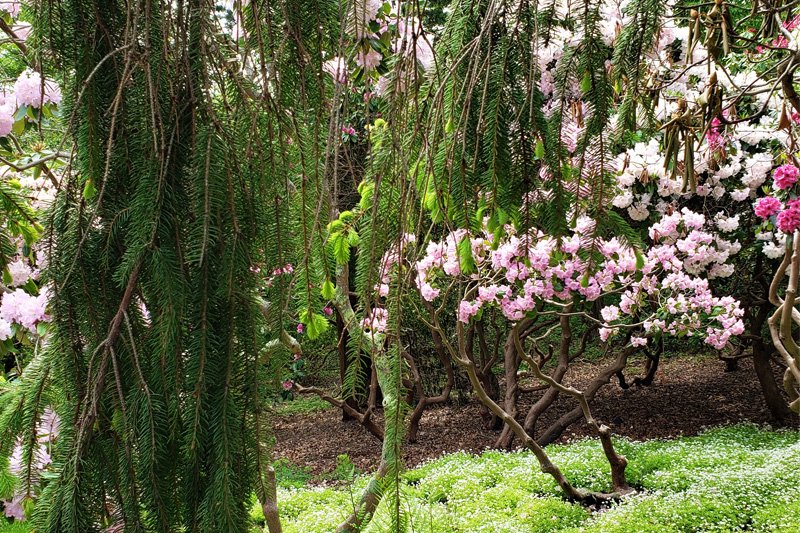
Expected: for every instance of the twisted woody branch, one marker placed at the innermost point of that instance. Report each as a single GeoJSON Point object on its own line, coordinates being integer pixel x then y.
{"type": "Point", "coordinates": [785, 317]}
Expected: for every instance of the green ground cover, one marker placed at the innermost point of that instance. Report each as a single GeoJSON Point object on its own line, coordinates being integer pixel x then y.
{"type": "Point", "coordinates": [727, 479]}
{"type": "Point", "coordinates": [739, 478]}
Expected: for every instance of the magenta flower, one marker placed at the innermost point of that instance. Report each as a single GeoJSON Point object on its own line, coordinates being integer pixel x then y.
{"type": "Point", "coordinates": [789, 219]}
{"type": "Point", "coordinates": [785, 176]}
{"type": "Point", "coordinates": [288, 384]}
{"type": "Point", "coordinates": [300, 328]}
{"type": "Point", "coordinates": [328, 310]}
{"type": "Point", "coordinates": [714, 136]}
{"type": "Point", "coordinates": [767, 206]}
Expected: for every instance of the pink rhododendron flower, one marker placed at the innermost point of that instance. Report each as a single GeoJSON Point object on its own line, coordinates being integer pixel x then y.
{"type": "Point", "coordinates": [288, 384]}
{"type": "Point", "coordinates": [24, 309]}
{"type": "Point", "coordinates": [376, 321]}
{"type": "Point", "coordinates": [5, 330]}
{"type": "Point", "coordinates": [607, 333]}
{"type": "Point", "coordinates": [13, 508]}
{"type": "Point", "coordinates": [20, 272]}
{"type": "Point", "coordinates": [365, 11]}
{"type": "Point", "coordinates": [369, 60]}
{"type": "Point", "coordinates": [428, 292]}
{"type": "Point", "coordinates": [31, 91]}
{"type": "Point", "coordinates": [785, 176]}
{"type": "Point", "coordinates": [488, 294]}
{"type": "Point", "coordinates": [301, 327]}
{"type": "Point", "coordinates": [47, 431]}
{"type": "Point", "coordinates": [337, 68]}
{"type": "Point", "coordinates": [638, 341]}
{"type": "Point", "coordinates": [6, 119]}
{"type": "Point", "coordinates": [467, 310]}
{"type": "Point", "coordinates": [610, 313]}
{"type": "Point", "coordinates": [11, 7]}
{"type": "Point", "coordinates": [788, 220]}
{"type": "Point", "coordinates": [22, 30]}
{"type": "Point", "coordinates": [49, 425]}
{"type": "Point", "coordinates": [767, 206]}
{"type": "Point", "coordinates": [328, 310]}
{"type": "Point", "coordinates": [714, 136]}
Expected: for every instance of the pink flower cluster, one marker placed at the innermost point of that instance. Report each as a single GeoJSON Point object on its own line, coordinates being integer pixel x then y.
{"type": "Point", "coordinates": [371, 23]}
{"type": "Point", "coordinates": [28, 91]}
{"type": "Point", "coordinates": [785, 176]}
{"type": "Point", "coordinates": [768, 206]}
{"type": "Point", "coordinates": [368, 60]}
{"type": "Point", "coordinates": [788, 216]}
{"type": "Point", "coordinates": [520, 272]}
{"type": "Point", "coordinates": [32, 91]}
{"type": "Point", "coordinates": [788, 220]}
{"type": "Point", "coordinates": [781, 41]}
{"type": "Point", "coordinates": [337, 68]}
{"type": "Point", "coordinates": [715, 138]}
{"type": "Point", "coordinates": [11, 7]}
{"type": "Point", "coordinates": [47, 430]}
{"type": "Point", "coordinates": [24, 309]}
{"type": "Point", "coordinates": [365, 11]}
{"type": "Point", "coordinates": [280, 271]}
{"type": "Point", "coordinates": [376, 321]}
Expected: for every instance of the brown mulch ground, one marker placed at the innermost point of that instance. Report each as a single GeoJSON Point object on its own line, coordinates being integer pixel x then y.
{"type": "Point", "coordinates": [688, 394]}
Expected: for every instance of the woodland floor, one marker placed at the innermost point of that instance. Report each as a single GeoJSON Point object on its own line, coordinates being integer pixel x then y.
{"type": "Point", "coordinates": [688, 394]}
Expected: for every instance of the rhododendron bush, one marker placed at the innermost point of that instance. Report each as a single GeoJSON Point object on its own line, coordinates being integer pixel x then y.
{"type": "Point", "coordinates": [520, 273]}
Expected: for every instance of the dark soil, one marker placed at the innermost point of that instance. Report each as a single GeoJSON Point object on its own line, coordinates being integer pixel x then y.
{"type": "Point", "coordinates": [688, 394]}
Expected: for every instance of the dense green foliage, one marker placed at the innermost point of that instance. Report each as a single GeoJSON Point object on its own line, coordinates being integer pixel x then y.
{"type": "Point", "coordinates": [154, 362]}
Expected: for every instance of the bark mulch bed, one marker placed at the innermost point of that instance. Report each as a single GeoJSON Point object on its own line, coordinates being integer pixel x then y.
{"type": "Point", "coordinates": [688, 395]}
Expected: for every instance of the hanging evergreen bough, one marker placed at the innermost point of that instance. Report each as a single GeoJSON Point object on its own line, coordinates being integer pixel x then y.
{"type": "Point", "coordinates": [177, 194]}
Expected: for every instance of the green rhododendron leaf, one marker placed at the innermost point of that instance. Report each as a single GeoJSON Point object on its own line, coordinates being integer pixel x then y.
{"type": "Point", "coordinates": [19, 127]}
